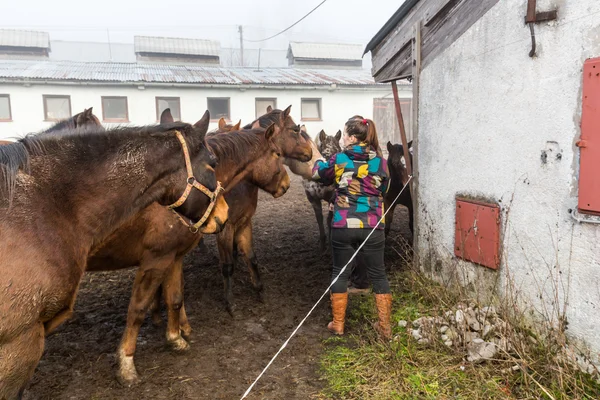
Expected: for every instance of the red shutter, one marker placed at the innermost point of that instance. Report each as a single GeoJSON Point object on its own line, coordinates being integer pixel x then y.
{"type": "Point", "coordinates": [589, 144]}
{"type": "Point", "coordinates": [477, 232]}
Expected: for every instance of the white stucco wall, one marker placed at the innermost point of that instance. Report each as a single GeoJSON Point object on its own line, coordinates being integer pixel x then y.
{"type": "Point", "coordinates": [487, 111]}
{"type": "Point", "coordinates": [337, 105]}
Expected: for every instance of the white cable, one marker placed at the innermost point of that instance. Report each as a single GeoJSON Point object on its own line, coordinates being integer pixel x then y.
{"type": "Point", "coordinates": [324, 294]}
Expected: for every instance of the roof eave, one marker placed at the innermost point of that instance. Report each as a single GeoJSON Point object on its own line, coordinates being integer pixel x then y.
{"type": "Point", "coordinates": [390, 24]}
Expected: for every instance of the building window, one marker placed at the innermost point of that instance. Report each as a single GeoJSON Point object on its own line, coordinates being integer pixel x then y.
{"type": "Point", "coordinates": [5, 114]}
{"type": "Point", "coordinates": [114, 109]}
{"type": "Point", "coordinates": [57, 108]}
{"type": "Point", "coordinates": [311, 110]}
{"type": "Point", "coordinates": [162, 103]}
{"type": "Point", "coordinates": [218, 107]}
{"type": "Point", "coordinates": [263, 103]}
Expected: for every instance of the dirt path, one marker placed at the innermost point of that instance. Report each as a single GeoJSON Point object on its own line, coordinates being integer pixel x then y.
{"type": "Point", "coordinates": [226, 353]}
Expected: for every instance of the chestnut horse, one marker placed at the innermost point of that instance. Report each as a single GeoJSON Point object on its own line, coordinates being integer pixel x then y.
{"type": "Point", "coordinates": [156, 242]}
{"type": "Point", "coordinates": [236, 238]}
{"type": "Point", "coordinates": [61, 195]}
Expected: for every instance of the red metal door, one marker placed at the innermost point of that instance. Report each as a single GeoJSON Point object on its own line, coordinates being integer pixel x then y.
{"type": "Point", "coordinates": [477, 232]}
{"type": "Point", "coordinates": [589, 144]}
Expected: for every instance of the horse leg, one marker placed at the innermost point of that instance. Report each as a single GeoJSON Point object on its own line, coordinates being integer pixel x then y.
{"type": "Point", "coordinates": [173, 292]}
{"type": "Point", "coordinates": [148, 278]}
{"type": "Point", "coordinates": [62, 316]}
{"type": "Point", "coordinates": [18, 360]}
{"type": "Point", "coordinates": [184, 324]}
{"type": "Point", "coordinates": [155, 308]}
{"type": "Point", "coordinates": [318, 208]}
{"type": "Point", "coordinates": [225, 245]}
{"type": "Point", "coordinates": [243, 241]}
{"type": "Point", "coordinates": [411, 218]}
{"type": "Point", "coordinates": [388, 220]}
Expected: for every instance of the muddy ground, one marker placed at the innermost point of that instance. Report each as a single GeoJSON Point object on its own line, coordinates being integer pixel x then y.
{"type": "Point", "coordinates": [226, 353]}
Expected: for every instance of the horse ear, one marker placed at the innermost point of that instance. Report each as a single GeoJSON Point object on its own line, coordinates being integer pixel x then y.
{"type": "Point", "coordinates": [338, 135]}
{"type": "Point", "coordinates": [222, 123]}
{"type": "Point", "coordinates": [269, 109]}
{"type": "Point", "coordinates": [202, 124]}
{"type": "Point", "coordinates": [409, 144]}
{"type": "Point", "coordinates": [256, 125]}
{"type": "Point", "coordinates": [322, 136]}
{"type": "Point", "coordinates": [237, 126]}
{"type": "Point", "coordinates": [286, 112]}
{"type": "Point", "coordinates": [303, 128]}
{"type": "Point", "coordinates": [166, 116]}
{"type": "Point", "coordinates": [389, 146]}
{"type": "Point", "coordinates": [270, 132]}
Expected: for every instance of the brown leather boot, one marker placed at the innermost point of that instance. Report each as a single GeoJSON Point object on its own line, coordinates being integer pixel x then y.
{"type": "Point", "coordinates": [339, 301]}
{"type": "Point", "coordinates": [384, 309]}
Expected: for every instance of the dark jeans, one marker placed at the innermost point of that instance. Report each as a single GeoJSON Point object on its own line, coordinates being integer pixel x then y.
{"type": "Point", "coordinates": [344, 242]}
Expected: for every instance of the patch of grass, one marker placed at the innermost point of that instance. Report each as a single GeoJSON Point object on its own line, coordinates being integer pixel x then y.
{"type": "Point", "coordinates": [360, 366]}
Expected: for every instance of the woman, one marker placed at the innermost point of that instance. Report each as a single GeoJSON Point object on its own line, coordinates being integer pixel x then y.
{"type": "Point", "coordinates": [360, 175]}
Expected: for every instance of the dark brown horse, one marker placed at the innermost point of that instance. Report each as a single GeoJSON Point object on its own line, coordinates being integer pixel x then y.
{"type": "Point", "coordinates": [84, 118]}
{"type": "Point", "coordinates": [60, 196]}
{"type": "Point", "coordinates": [398, 178]}
{"type": "Point", "coordinates": [236, 238]}
{"type": "Point", "coordinates": [156, 242]}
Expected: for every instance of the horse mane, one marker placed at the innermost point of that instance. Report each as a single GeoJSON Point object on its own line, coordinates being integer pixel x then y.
{"type": "Point", "coordinates": [235, 145]}
{"type": "Point", "coordinates": [273, 117]}
{"type": "Point", "coordinates": [17, 156]}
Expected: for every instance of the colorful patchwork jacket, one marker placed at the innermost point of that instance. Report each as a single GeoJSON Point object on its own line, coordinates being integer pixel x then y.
{"type": "Point", "coordinates": [361, 178]}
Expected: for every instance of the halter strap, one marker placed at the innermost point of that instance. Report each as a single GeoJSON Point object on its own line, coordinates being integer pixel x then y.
{"type": "Point", "coordinates": [192, 182]}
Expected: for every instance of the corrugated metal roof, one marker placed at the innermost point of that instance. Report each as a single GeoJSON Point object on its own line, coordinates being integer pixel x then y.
{"type": "Point", "coordinates": [17, 38]}
{"type": "Point", "coordinates": [165, 45]}
{"type": "Point", "coordinates": [326, 51]}
{"type": "Point", "coordinates": [28, 70]}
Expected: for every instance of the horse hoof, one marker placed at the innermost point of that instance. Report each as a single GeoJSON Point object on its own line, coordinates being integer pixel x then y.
{"type": "Point", "coordinates": [127, 375]}
{"type": "Point", "coordinates": [186, 331]}
{"type": "Point", "coordinates": [229, 309]}
{"type": "Point", "coordinates": [128, 381]}
{"type": "Point", "coordinates": [179, 344]}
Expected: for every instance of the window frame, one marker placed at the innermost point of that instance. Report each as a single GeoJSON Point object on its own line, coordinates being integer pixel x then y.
{"type": "Point", "coordinates": [320, 102]}
{"type": "Point", "coordinates": [104, 119]}
{"type": "Point", "coordinates": [9, 108]}
{"type": "Point", "coordinates": [158, 98]}
{"type": "Point", "coordinates": [55, 96]}
{"type": "Point", "coordinates": [256, 99]}
{"type": "Point", "coordinates": [228, 119]}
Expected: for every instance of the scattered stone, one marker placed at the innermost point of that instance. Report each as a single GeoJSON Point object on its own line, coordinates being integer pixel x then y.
{"type": "Point", "coordinates": [460, 317]}
{"type": "Point", "coordinates": [489, 311]}
{"type": "Point", "coordinates": [478, 340]}
{"type": "Point", "coordinates": [444, 328]}
{"type": "Point", "coordinates": [423, 341]}
{"type": "Point", "coordinates": [445, 338]}
{"type": "Point", "coordinates": [487, 330]}
{"type": "Point", "coordinates": [448, 343]}
{"type": "Point", "coordinates": [417, 322]}
{"type": "Point", "coordinates": [452, 334]}
{"type": "Point", "coordinates": [402, 323]}
{"type": "Point", "coordinates": [470, 336]}
{"type": "Point", "coordinates": [416, 334]}
{"type": "Point", "coordinates": [479, 352]}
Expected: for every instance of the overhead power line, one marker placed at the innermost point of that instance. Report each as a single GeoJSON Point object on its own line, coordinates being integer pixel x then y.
{"type": "Point", "coordinates": [289, 27]}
